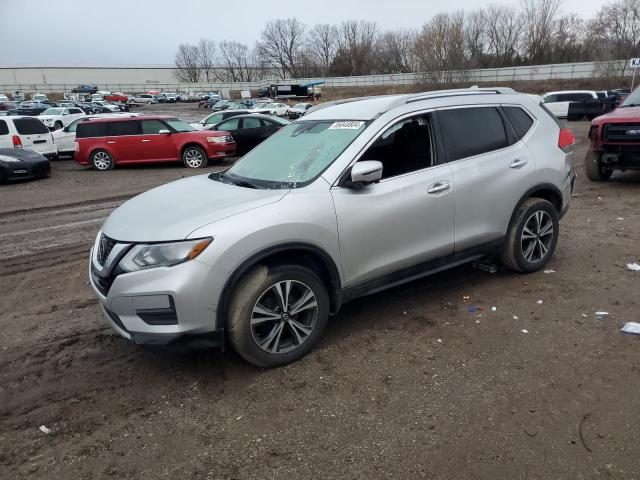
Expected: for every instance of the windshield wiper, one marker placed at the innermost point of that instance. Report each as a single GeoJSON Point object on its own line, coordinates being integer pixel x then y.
{"type": "Point", "coordinates": [240, 183]}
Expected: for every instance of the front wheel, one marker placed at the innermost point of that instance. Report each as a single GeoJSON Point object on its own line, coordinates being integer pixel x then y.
{"type": "Point", "coordinates": [532, 236]}
{"type": "Point", "coordinates": [596, 172]}
{"type": "Point", "coordinates": [194, 157]}
{"type": "Point", "coordinates": [277, 314]}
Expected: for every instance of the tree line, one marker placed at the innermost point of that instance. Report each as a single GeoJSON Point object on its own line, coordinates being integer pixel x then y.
{"type": "Point", "coordinates": [532, 32]}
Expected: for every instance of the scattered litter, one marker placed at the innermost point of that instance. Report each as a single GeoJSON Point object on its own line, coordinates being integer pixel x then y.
{"type": "Point", "coordinates": [549, 271]}
{"type": "Point", "coordinates": [439, 340]}
{"type": "Point", "coordinates": [601, 315]}
{"type": "Point", "coordinates": [631, 327]}
{"type": "Point", "coordinates": [524, 331]}
{"type": "Point", "coordinates": [599, 198]}
{"type": "Point", "coordinates": [239, 418]}
{"type": "Point", "coordinates": [404, 313]}
{"type": "Point", "coordinates": [474, 309]}
{"type": "Point", "coordinates": [465, 298]}
{"type": "Point", "coordinates": [493, 309]}
{"type": "Point", "coordinates": [584, 315]}
{"type": "Point", "coordinates": [634, 267]}
{"type": "Point", "coordinates": [539, 302]}
{"type": "Point", "coordinates": [44, 429]}
{"type": "Point", "coordinates": [477, 321]}
{"type": "Point", "coordinates": [621, 219]}
{"type": "Point", "coordinates": [515, 317]}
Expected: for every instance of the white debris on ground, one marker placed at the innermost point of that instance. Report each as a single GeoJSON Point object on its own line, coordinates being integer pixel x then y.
{"type": "Point", "coordinates": [631, 327]}
{"type": "Point", "coordinates": [633, 267]}
{"type": "Point", "coordinates": [44, 429]}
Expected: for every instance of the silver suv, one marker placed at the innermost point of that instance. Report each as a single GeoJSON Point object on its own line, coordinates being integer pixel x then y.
{"type": "Point", "coordinates": [355, 197]}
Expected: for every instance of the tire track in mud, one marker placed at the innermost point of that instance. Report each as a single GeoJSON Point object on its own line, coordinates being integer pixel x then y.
{"type": "Point", "coordinates": [51, 235]}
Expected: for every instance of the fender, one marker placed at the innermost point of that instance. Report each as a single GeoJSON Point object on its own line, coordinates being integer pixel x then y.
{"type": "Point", "coordinates": [531, 193]}
{"type": "Point", "coordinates": [334, 288]}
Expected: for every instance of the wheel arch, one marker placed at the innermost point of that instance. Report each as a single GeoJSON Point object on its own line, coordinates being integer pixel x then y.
{"type": "Point", "coordinates": [102, 148]}
{"type": "Point", "coordinates": [303, 254]}
{"type": "Point", "coordinates": [546, 191]}
{"type": "Point", "coordinates": [192, 143]}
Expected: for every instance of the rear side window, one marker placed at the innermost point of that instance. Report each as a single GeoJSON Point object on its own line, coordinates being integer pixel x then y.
{"type": "Point", "coordinates": [251, 122]}
{"type": "Point", "coordinates": [4, 128]}
{"type": "Point", "coordinates": [91, 129]}
{"type": "Point", "coordinates": [520, 120]}
{"type": "Point", "coordinates": [30, 126]}
{"type": "Point", "coordinates": [117, 129]}
{"type": "Point", "coordinates": [472, 131]}
{"type": "Point", "coordinates": [153, 127]}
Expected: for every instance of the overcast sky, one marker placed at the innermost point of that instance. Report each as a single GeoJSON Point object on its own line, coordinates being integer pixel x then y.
{"type": "Point", "coordinates": [117, 32]}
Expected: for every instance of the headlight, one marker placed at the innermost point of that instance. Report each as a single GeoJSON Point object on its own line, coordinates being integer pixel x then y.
{"type": "Point", "coordinates": [5, 158]}
{"type": "Point", "coordinates": [142, 257]}
{"type": "Point", "coordinates": [217, 139]}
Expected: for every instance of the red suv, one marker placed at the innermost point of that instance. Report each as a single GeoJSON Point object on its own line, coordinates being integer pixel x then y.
{"type": "Point", "coordinates": [104, 143]}
{"type": "Point", "coordinates": [615, 140]}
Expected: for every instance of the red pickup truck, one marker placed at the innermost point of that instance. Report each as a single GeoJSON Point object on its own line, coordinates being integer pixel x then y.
{"type": "Point", "coordinates": [615, 140]}
{"type": "Point", "coordinates": [117, 97]}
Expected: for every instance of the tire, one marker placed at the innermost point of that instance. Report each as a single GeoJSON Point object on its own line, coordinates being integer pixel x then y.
{"type": "Point", "coordinates": [58, 125]}
{"type": "Point", "coordinates": [194, 157]}
{"type": "Point", "coordinates": [528, 250]}
{"type": "Point", "coordinates": [594, 168]}
{"type": "Point", "coordinates": [102, 160]}
{"type": "Point", "coordinates": [287, 336]}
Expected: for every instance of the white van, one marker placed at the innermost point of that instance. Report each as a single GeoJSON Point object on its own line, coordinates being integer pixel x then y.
{"type": "Point", "coordinates": [558, 102]}
{"type": "Point", "coordinates": [27, 132]}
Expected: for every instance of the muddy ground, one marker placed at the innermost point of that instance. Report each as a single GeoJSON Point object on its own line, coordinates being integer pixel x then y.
{"type": "Point", "coordinates": [406, 384]}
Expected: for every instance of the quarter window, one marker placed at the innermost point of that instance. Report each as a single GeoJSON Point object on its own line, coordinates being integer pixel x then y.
{"type": "Point", "coordinates": [29, 126]}
{"type": "Point", "coordinates": [472, 131]}
{"type": "Point", "coordinates": [4, 128]}
{"type": "Point", "coordinates": [251, 122]}
{"type": "Point", "coordinates": [404, 147]}
{"type": "Point", "coordinates": [520, 120]}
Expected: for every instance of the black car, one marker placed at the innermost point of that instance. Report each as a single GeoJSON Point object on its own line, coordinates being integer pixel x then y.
{"type": "Point", "coordinates": [28, 111]}
{"type": "Point", "coordinates": [18, 163]}
{"type": "Point", "coordinates": [250, 130]}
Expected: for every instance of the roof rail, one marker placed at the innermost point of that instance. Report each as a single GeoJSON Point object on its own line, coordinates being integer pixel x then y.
{"type": "Point", "coordinates": [324, 105]}
{"type": "Point", "coordinates": [416, 97]}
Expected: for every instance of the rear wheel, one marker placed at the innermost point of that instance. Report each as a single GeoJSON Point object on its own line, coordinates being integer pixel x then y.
{"type": "Point", "coordinates": [102, 160]}
{"type": "Point", "coordinates": [194, 157]}
{"type": "Point", "coordinates": [277, 315]}
{"type": "Point", "coordinates": [532, 236]}
{"type": "Point", "coordinates": [596, 172]}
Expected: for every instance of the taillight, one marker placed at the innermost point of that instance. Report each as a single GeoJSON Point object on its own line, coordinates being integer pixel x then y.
{"type": "Point", "coordinates": [77, 146]}
{"type": "Point", "coordinates": [17, 143]}
{"type": "Point", "coordinates": [566, 139]}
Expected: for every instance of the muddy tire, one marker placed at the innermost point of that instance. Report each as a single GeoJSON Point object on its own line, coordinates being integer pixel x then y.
{"type": "Point", "coordinates": [277, 315]}
{"type": "Point", "coordinates": [532, 236]}
{"type": "Point", "coordinates": [594, 168]}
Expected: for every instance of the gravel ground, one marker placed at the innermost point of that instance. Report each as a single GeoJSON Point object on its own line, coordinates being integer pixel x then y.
{"type": "Point", "coordinates": [406, 384]}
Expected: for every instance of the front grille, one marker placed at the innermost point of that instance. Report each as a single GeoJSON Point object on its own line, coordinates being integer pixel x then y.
{"type": "Point", "coordinates": [629, 132]}
{"type": "Point", "coordinates": [104, 248]}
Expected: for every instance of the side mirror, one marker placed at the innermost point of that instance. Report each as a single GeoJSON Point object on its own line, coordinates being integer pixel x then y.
{"type": "Point", "coordinates": [164, 131]}
{"type": "Point", "coordinates": [365, 173]}
{"type": "Point", "coordinates": [65, 129]}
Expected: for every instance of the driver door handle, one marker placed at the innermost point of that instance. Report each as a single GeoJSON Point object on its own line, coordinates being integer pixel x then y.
{"type": "Point", "coordinates": [439, 187]}
{"type": "Point", "coordinates": [518, 163]}
{"type": "Point", "coordinates": [146, 140]}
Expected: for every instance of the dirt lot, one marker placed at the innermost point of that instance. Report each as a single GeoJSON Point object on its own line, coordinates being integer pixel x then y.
{"type": "Point", "coordinates": [406, 384]}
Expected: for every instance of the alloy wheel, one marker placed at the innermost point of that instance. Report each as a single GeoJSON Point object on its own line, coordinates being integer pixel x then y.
{"type": "Point", "coordinates": [537, 236]}
{"type": "Point", "coordinates": [101, 160]}
{"type": "Point", "coordinates": [284, 317]}
{"type": "Point", "coordinates": [193, 158]}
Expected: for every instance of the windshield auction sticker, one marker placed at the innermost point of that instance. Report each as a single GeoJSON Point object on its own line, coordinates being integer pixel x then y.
{"type": "Point", "coordinates": [346, 125]}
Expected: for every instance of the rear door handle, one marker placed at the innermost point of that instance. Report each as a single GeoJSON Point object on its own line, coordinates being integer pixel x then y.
{"type": "Point", "coordinates": [518, 163]}
{"type": "Point", "coordinates": [111, 142]}
{"type": "Point", "coordinates": [439, 187]}
{"type": "Point", "coordinates": [146, 140]}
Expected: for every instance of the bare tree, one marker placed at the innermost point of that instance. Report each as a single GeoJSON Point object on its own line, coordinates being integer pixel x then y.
{"type": "Point", "coordinates": [569, 40]}
{"type": "Point", "coordinates": [539, 21]}
{"type": "Point", "coordinates": [439, 48]}
{"type": "Point", "coordinates": [475, 38]}
{"type": "Point", "coordinates": [355, 54]}
{"type": "Point", "coordinates": [504, 28]}
{"type": "Point", "coordinates": [187, 63]}
{"type": "Point", "coordinates": [207, 58]}
{"type": "Point", "coordinates": [281, 45]}
{"type": "Point", "coordinates": [322, 43]}
{"type": "Point", "coordinates": [235, 62]}
{"type": "Point", "coordinates": [394, 52]}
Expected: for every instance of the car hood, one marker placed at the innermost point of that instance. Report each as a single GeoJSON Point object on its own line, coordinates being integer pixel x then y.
{"type": "Point", "coordinates": [23, 155]}
{"type": "Point", "coordinates": [173, 211]}
{"type": "Point", "coordinates": [619, 115]}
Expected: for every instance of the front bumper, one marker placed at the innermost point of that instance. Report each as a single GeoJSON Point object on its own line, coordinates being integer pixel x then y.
{"type": "Point", "coordinates": [221, 150]}
{"type": "Point", "coordinates": [160, 306]}
{"type": "Point", "coordinates": [26, 171]}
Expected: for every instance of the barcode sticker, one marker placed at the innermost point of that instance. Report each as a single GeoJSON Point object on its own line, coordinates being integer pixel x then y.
{"type": "Point", "coordinates": [346, 125]}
